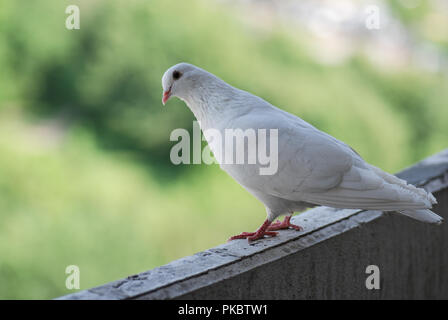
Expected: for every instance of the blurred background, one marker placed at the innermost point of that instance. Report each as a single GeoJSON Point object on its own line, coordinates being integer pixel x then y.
{"type": "Point", "coordinates": [85, 173]}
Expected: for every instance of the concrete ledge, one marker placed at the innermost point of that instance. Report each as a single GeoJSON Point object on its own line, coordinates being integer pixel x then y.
{"type": "Point", "coordinates": [327, 260]}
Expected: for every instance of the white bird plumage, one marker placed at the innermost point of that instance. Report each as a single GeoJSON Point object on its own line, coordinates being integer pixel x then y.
{"type": "Point", "coordinates": [314, 168]}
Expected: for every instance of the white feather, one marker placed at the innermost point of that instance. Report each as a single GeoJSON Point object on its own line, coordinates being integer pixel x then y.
{"type": "Point", "coordinates": [313, 167]}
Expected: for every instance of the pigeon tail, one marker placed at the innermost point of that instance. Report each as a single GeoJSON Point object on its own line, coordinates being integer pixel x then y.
{"type": "Point", "coordinates": [424, 215]}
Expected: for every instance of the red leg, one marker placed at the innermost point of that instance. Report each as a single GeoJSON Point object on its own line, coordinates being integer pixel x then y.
{"type": "Point", "coordinates": [260, 233]}
{"type": "Point", "coordinates": [284, 225]}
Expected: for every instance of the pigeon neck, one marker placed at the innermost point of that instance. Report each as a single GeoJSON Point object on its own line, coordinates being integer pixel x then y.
{"type": "Point", "coordinates": [212, 101]}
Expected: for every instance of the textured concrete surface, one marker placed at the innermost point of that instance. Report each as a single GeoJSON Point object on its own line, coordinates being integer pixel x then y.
{"type": "Point", "coordinates": [327, 260]}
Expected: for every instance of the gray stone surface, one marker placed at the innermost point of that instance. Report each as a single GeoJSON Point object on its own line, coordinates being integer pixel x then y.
{"type": "Point", "coordinates": [325, 261]}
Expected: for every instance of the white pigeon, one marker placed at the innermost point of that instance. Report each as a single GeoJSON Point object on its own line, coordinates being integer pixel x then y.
{"type": "Point", "coordinates": [314, 168]}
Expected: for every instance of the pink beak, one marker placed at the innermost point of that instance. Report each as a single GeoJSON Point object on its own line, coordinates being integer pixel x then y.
{"type": "Point", "coordinates": [166, 96]}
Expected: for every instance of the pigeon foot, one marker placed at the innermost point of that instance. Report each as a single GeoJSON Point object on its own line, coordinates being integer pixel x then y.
{"type": "Point", "coordinates": [260, 233]}
{"type": "Point", "coordinates": [285, 224]}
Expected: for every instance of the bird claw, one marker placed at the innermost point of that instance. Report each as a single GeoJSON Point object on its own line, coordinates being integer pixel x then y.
{"type": "Point", "coordinates": [286, 224]}
{"type": "Point", "coordinates": [252, 236]}
{"type": "Point", "coordinates": [267, 229]}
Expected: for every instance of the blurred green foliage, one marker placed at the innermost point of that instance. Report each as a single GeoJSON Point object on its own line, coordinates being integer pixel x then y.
{"type": "Point", "coordinates": [85, 176]}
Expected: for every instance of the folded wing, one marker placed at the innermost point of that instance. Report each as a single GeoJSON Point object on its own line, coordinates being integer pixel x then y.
{"type": "Point", "coordinates": [320, 169]}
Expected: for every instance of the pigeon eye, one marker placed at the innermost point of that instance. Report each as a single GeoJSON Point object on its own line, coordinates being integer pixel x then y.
{"type": "Point", "coordinates": [176, 75]}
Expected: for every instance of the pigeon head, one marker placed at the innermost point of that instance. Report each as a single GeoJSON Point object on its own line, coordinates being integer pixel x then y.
{"type": "Point", "coordinates": [179, 80]}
